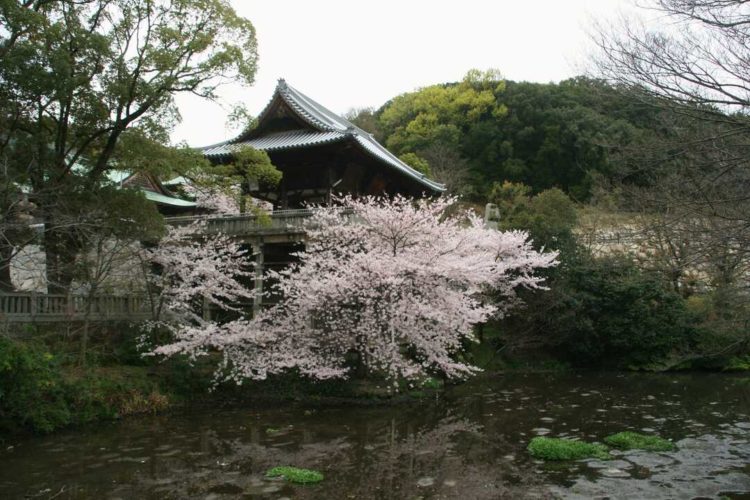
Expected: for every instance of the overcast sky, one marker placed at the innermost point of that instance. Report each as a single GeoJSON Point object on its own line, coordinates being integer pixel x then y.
{"type": "Point", "coordinates": [351, 53]}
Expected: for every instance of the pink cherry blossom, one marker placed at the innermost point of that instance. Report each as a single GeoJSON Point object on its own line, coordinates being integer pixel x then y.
{"type": "Point", "coordinates": [397, 283]}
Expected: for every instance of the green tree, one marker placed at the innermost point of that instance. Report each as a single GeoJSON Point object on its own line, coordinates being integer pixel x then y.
{"type": "Point", "coordinates": [416, 162]}
{"type": "Point", "coordinates": [249, 171]}
{"type": "Point", "coordinates": [441, 113]}
{"type": "Point", "coordinates": [549, 216]}
{"type": "Point", "coordinates": [542, 135]}
{"type": "Point", "coordinates": [76, 76]}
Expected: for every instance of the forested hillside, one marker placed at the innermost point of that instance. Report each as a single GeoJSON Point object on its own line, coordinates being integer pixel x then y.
{"type": "Point", "coordinates": [484, 130]}
{"type": "Point", "coordinates": [674, 294]}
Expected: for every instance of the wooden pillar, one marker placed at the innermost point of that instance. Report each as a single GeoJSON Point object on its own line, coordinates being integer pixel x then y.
{"type": "Point", "coordinates": [258, 298]}
{"type": "Point", "coordinates": [284, 196]}
{"type": "Point", "coordinates": [329, 191]}
{"type": "Point", "coordinates": [206, 309]}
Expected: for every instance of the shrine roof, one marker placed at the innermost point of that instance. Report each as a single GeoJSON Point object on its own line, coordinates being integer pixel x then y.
{"type": "Point", "coordinates": [323, 127]}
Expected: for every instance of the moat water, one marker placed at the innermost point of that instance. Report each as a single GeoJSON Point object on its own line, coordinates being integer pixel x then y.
{"type": "Point", "coordinates": [469, 444]}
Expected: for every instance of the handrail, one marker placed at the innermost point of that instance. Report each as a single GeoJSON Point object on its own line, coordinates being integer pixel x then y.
{"type": "Point", "coordinates": [33, 307]}
{"type": "Point", "coordinates": [276, 214]}
{"type": "Point", "coordinates": [289, 222]}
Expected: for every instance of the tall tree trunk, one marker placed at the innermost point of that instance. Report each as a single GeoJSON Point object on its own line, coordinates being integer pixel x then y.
{"type": "Point", "coordinates": [6, 254]}
{"type": "Point", "coordinates": [60, 255]}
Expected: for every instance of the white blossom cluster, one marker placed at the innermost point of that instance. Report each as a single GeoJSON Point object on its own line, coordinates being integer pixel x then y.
{"type": "Point", "coordinates": [397, 284]}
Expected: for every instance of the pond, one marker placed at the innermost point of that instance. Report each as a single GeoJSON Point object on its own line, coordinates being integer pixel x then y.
{"type": "Point", "coordinates": [469, 444]}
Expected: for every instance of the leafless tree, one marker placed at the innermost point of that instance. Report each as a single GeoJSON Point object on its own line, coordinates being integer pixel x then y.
{"type": "Point", "coordinates": [448, 167]}
{"type": "Point", "coordinates": [698, 56]}
{"type": "Point", "coordinates": [695, 66]}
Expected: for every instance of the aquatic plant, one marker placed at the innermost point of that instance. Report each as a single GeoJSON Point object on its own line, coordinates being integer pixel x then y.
{"type": "Point", "coordinates": [633, 441]}
{"type": "Point", "coordinates": [296, 475]}
{"type": "Point", "coordinates": [566, 449]}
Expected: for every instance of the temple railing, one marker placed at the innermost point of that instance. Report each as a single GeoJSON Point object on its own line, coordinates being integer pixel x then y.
{"type": "Point", "coordinates": [279, 221]}
{"type": "Point", "coordinates": [33, 307]}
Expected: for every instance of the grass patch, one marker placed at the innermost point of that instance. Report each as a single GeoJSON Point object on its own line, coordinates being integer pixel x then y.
{"type": "Point", "coordinates": [738, 364]}
{"type": "Point", "coordinates": [566, 449]}
{"type": "Point", "coordinates": [634, 441]}
{"type": "Point", "coordinates": [295, 475]}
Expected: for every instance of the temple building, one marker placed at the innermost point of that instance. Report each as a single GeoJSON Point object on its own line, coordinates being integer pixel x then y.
{"type": "Point", "coordinates": [167, 202]}
{"type": "Point", "coordinates": [320, 154]}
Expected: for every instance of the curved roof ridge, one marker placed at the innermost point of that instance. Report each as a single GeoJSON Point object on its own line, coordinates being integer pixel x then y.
{"type": "Point", "coordinates": [380, 151]}
{"type": "Point", "coordinates": [312, 107]}
{"type": "Point", "coordinates": [316, 110]}
{"type": "Point", "coordinates": [287, 139]}
{"type": "Point", "coordinates": [330, 127]}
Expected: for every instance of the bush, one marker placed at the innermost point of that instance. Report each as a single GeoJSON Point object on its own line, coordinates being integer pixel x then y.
{"type": "Point", "coordinates": [38, 393]}
{"type": "Point", "coordinates": [634, 441]}
{"type": "Point", "coordinates": [32, 392]}
{"type": "Point", "coordinates": [107, 393]}
{"type": "Point", "coordinates": [615, 315]}
{"type": "Point", "coordinates": [604, 313]}
{"type": "Point", "coordinates": [566, 449]}
{"type": "Point", "coordinates": [738, 364]}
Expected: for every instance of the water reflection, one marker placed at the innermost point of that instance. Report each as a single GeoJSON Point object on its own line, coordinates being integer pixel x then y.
{"type": "Point", "coordinates": [469, 445]}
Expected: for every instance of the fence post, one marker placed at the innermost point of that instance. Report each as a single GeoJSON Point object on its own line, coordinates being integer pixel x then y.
{"type": "Point", "coordinates": [32, 306]}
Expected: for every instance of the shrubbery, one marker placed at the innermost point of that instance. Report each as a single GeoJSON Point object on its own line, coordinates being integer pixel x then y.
{"type": "Point", "coordinates": [32, 394]}
{"type": "Point", "coordinates": [599, 311]}
{"type": "Point", "coordinates": [603, 313]}
{"type": "Point", "coordinates": [39, 393]}
{"type": "Point", "coordinates": [610, 314]}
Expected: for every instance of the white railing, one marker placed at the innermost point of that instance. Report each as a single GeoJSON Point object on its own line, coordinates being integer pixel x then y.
{"type": "Point", "coordinates": [279, 221]}
{"type": "Point", "coordinates": [33, 307]}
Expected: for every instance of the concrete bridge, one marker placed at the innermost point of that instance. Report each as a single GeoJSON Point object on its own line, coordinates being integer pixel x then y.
{"type": "Point", "coordinates": [280, 226]}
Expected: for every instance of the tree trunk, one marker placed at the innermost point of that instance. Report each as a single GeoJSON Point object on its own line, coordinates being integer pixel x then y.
{"type": "Point", "coordinates": [60, 256]}
{"type": "Point", "coordinates": [6, 254]}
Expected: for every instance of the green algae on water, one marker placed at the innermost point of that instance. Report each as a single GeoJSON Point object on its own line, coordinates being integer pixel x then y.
{"type": "Point", "coordinates": [633, 441]}
{"type": "Point", "coordinates": [566, 449]}
{"type": "Point", "coordinates": [296, 475]}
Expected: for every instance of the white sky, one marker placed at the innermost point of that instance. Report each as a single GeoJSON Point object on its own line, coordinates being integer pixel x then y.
{"type": "Point", "coordinates": [347, 54]}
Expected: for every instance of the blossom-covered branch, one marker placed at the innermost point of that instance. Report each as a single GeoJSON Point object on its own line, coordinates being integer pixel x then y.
{"type": "Point", "coordinates": [397, 282]}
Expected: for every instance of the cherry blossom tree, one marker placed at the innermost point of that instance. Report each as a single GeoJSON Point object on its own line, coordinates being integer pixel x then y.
{"type": "Point", "coordinates": [188, 273]}
{"type": "Point", "coordinates": [217, 199]}
{"type": "Point", "coordinates": [399, 283]}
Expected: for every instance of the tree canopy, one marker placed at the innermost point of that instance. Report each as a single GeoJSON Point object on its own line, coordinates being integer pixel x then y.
{"type": "Point", "coordinates": [485, 129]}
{"type": "Point", "coordinates": [88, 85]}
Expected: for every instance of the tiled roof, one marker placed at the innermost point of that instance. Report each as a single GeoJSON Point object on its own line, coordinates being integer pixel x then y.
{"type": "Point", "coordinates": [329, 126]}
{"type": "Point", "coordinates": [119, 177]}
{"type": "Point", "coordinates": [168, 200]}
{"type": "Point", "coordinates": [281, 140]}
